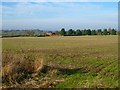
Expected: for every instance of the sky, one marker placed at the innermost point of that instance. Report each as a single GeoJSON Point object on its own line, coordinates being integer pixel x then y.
{"type": "Point", "coordinates": [57, 15]}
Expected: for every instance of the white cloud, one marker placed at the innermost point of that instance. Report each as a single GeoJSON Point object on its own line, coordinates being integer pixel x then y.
{"type": "Point", "coordinates": [27, 8]}
{"type": "Point", "coordinates": [60, 0]}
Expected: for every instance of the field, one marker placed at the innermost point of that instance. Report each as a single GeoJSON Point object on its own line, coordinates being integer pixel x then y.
{"type": "Point", "coordinates": [67, 62]}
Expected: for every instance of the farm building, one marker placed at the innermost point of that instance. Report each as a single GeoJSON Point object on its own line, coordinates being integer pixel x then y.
{"type": "Point", "coordinates": [52, 34]}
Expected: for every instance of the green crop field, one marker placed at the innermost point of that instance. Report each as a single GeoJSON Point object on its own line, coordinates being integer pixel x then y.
{"type": "Point", "coordinates": [68, 62]}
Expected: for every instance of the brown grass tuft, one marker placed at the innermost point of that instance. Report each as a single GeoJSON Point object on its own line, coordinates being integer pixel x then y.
{"type": "Point", "coordinates": [38, 65]}
{"type": "Point", "coordinates": [21, 67]}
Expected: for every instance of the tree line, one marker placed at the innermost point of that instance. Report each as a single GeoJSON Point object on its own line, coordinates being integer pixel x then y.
{"type": "Point", "coordinates": [79, 32]}
{"type": "Point", "coordinates": [70, 32]}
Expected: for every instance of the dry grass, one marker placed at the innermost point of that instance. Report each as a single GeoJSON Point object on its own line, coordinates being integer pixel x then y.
{"type": "Point", "coordinates": [20, 67]}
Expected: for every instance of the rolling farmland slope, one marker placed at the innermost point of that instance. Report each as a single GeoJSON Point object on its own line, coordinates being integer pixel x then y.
{"type": "Point", "coordinates": [68, 62]}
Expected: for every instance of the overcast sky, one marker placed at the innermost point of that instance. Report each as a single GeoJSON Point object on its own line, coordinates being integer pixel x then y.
{"type": "Point", "coordinates": [57, 15]}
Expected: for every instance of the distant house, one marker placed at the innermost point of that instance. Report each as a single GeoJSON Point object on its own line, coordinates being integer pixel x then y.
{"type": "Point", "coordinates": [52, 34]}
{"type": "Point", "coordinates": [48, 34]}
